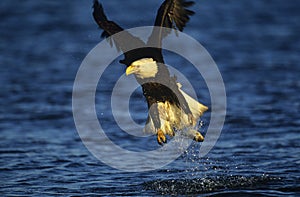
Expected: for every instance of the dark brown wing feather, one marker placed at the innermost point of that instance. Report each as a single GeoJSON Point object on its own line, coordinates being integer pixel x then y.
{"type": "Point", "coordinates": [174, 14]}
{"type": "Point", "coordinates": [109, 27]}
{"type": "Point", "coordinates": [171, 14]}
{"type": "Point", "coordinates": [123, 42]}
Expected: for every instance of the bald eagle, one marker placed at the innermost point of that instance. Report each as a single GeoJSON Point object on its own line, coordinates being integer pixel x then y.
{"type": "Point", "coordinates": [170, 109]}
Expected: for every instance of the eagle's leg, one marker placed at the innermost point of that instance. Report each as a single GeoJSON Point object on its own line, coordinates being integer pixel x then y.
{"type": "Point", "coordinates": [161, 138]}
{"type": "Point", "coordinates": [168, 129]}
{"type": "Point", "coordinates": [198, 137]}
{"type": "Point", "coordinates": [195, 135]}
{"type": "Point", "coordinates": [154, 113]}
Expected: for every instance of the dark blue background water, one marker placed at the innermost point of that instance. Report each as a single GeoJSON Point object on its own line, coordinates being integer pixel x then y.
{"type": "Point", "coordinates": [256, 45]}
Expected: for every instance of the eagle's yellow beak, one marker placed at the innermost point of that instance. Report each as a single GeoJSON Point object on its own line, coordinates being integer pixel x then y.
{"type": "Point", "coordinates": [130, 70]}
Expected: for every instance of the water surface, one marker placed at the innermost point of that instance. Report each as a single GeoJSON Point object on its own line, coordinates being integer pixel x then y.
{"type": "Point", "coordinates": [256, 45]}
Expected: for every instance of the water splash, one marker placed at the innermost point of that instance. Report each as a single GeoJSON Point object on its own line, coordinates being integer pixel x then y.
{"type": "Point", "coordinates": [209, 184]}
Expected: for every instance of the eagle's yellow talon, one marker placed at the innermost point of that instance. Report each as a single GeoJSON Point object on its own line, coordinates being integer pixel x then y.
{"type": "Point", "coordinates": [198, 137]}
{"type": "Point", "coordinates": [161, 138]}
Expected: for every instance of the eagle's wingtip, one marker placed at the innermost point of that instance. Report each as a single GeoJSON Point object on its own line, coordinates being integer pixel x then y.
{"type": "Point", "coordinates": [95, 3]}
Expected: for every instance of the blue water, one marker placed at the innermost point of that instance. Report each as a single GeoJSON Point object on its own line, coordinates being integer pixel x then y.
{"type": "Point", "coordinates": [256, 45]}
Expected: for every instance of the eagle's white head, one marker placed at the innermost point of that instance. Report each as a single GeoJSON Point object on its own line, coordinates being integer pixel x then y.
{"type": "Point", "coordinates": [143, 68]}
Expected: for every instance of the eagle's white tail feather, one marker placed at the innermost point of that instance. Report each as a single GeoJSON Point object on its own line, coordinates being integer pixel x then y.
{"type": "Point", "coordinates": [196, 108]}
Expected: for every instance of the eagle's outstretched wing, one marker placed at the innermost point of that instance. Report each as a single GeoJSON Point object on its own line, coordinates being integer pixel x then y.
{"type": "Point", "coordinates": [110, 28]}
{"type": "Point", "coordinates": [172, 14]}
